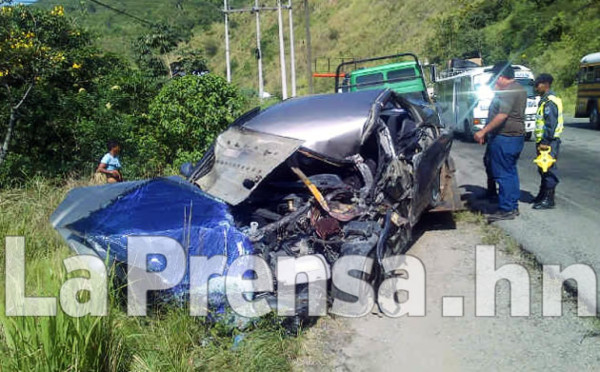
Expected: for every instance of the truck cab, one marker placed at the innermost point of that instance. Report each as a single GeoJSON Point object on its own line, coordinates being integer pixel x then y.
{"type": "Point", "coordinates": [404, 75]}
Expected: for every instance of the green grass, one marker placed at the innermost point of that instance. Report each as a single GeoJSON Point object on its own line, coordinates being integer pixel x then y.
{"type": "Point", "coordinates": [490, 234]}
{"type": "Point", "coordinates": [169, 340]}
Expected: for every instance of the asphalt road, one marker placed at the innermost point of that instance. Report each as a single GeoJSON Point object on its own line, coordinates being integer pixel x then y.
{"type": "Point", "coordinates": [377, 342]}
{"type": "Point", "coordinates": [568, 234]}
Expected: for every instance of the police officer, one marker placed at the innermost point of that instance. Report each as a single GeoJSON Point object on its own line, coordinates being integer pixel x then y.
{"type": "Point", "coordinates": [548, 128]}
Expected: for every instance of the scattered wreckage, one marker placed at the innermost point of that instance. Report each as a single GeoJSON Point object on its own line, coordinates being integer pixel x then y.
{"type": "Point", "coordinates": [330, 175]}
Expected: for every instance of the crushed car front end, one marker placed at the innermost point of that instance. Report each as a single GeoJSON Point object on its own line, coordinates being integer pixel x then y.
{"type": "Point", "coordinates": [330, 175]}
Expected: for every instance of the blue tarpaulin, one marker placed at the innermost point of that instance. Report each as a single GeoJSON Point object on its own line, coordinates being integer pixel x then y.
{"type": "Point", "coordinates": [98, 220]}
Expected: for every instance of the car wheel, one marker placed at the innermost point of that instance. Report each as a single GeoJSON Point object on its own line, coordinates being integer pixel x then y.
{"type": "Point", "coordinates": [594, 119]}
{"type": "Point", "coordinates": [528, 136]}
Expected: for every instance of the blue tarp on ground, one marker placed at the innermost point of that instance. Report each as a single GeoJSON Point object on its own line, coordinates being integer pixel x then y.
{"type": "Point", "coordinates": [99, 219]}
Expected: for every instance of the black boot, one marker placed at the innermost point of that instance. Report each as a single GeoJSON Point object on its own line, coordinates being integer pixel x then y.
{"type": "Point", "coordinates": [539, 196]}
{"type": "Point", "coordinates": [547, 201]}
{"type": "Point", "coordinates": [491, 192]}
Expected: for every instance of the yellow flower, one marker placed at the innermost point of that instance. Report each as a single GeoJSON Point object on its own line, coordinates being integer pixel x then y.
{"type": "Point", "coordinates": [29, 35]}
{"type": "Point", "coordinates": [108, 105]}
{"type": "Point", "coordinates": [6, 10]}
{"type": "Point", "coordinates": [58, 57]}
{"type": "Point", "coordinates": [58, 11]}
{"type": "Point", "coordinates": [19, 44]}
{"type": "Point", "coordinates": [81, 90]}
{"type": "Point", "coordinates": [115, 87]}
{"type": "Point", "coordinates": [76, 65]}
{"type": "Point", "coordinates": [3, 73]}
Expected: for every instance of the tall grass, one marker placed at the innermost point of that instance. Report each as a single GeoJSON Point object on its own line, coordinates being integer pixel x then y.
{"type": "Point", "coordinates": [169, 340]}
{"type": "Point", "coordinates": [61, 343]}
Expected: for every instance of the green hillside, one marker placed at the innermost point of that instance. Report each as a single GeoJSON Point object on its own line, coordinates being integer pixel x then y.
{"type": "Point", "coordinates": [349, 28]}
{"type": "Point", "coordinates": [547, 35]}
{"type": "Point", "coordinates": [116, 31]}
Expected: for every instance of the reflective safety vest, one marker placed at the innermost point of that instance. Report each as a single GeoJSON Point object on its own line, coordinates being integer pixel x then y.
{"type": "Point", "coordinates": [539, 120]}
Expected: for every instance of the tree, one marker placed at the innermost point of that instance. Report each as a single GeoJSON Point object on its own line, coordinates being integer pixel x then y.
{"type": "Point", "coordinates": [62, 99]}
{"type": "Point", "coordinates": [36, 47]}
{"type": "Point", "coordinates": [185, 118]}
{"type": "Point", "coordinates": [152, 49]}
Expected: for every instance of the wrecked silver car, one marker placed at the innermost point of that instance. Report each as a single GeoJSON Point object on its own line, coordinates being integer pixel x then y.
{"type": "Point", "coordinates": [331, 174]}
{"type": "Point", "coordinates": [327, 176]}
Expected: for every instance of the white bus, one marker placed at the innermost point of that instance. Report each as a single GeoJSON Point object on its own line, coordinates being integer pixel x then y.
{"type": "Point", "coordinates": [464, 98]}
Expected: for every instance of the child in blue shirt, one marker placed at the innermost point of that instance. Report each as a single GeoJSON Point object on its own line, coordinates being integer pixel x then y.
{"type": "Point", "coordinates": [110, 165]}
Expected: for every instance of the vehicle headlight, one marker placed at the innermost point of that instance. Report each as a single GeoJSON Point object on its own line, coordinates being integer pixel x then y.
{"type": "Point", "coordinates": [485, 93]}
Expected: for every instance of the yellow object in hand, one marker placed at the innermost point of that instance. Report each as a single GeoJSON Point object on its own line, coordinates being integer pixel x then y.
{"type": "Point", "coordinates": [544, 159]}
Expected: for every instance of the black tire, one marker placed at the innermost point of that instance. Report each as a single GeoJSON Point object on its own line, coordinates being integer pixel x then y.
{"type": "Point", "coordinates": [594, 118]}
{"type": "Point", "coordinates": [528, 136]}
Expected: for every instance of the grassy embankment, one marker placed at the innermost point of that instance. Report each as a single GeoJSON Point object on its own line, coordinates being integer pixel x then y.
{"type": "Point", "coordinates": [167, 340]}
{"type": "Point", "coordinates": [349, 28]}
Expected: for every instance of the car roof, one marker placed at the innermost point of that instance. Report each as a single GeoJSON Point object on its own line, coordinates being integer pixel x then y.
{"type": "Point", "coordinates": [484, 70]}
{"type": "Point", "coordinates": [315, 109]}
{"type": "Point", "coordinates": [591, 58]}
{"type": "Point", "coordinates": [320, 120]}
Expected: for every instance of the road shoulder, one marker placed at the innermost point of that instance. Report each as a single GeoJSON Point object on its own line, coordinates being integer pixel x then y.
{"type": "Point", "coordinates": [377, 342]}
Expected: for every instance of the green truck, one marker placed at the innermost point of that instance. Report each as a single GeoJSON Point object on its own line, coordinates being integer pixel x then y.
{"type": "Point", "coordinates": [404, 76]}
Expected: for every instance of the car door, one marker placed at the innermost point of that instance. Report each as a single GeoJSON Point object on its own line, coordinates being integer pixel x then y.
{"type": "Point", "coordinates": [428, 165]}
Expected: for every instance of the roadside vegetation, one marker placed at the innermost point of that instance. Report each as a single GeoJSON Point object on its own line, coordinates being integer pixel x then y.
{"type": "Point", "coordinates": [547, 35]}
{"type": "Point", "coordinates": [167, 340]}
{"type": "Point", "coordinates": [61, 98]}
{"type": "Point", "coordinates": [494, 235]}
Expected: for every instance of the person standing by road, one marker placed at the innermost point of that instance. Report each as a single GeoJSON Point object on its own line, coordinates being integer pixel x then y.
{"type": "Point", "coordinates": [492, 191]}
{"type": "Point", "coordinates": [505, 134]}
{"type": "Point", "coordinates": [110, 165]}
{"type": "Point", "coordinates": [548, 128]}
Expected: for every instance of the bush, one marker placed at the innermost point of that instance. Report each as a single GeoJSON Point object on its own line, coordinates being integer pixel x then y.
{"type": "Point", "coordinates": [77, 97]}
{"type": "Point", "coordinates": [548, 36]}
{"type": "Point", "coordinates": [185, 118]}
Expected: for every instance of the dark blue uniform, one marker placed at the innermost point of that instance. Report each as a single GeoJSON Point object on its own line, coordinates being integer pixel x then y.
{"type": "Point", "coordinates": [551, 131]}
